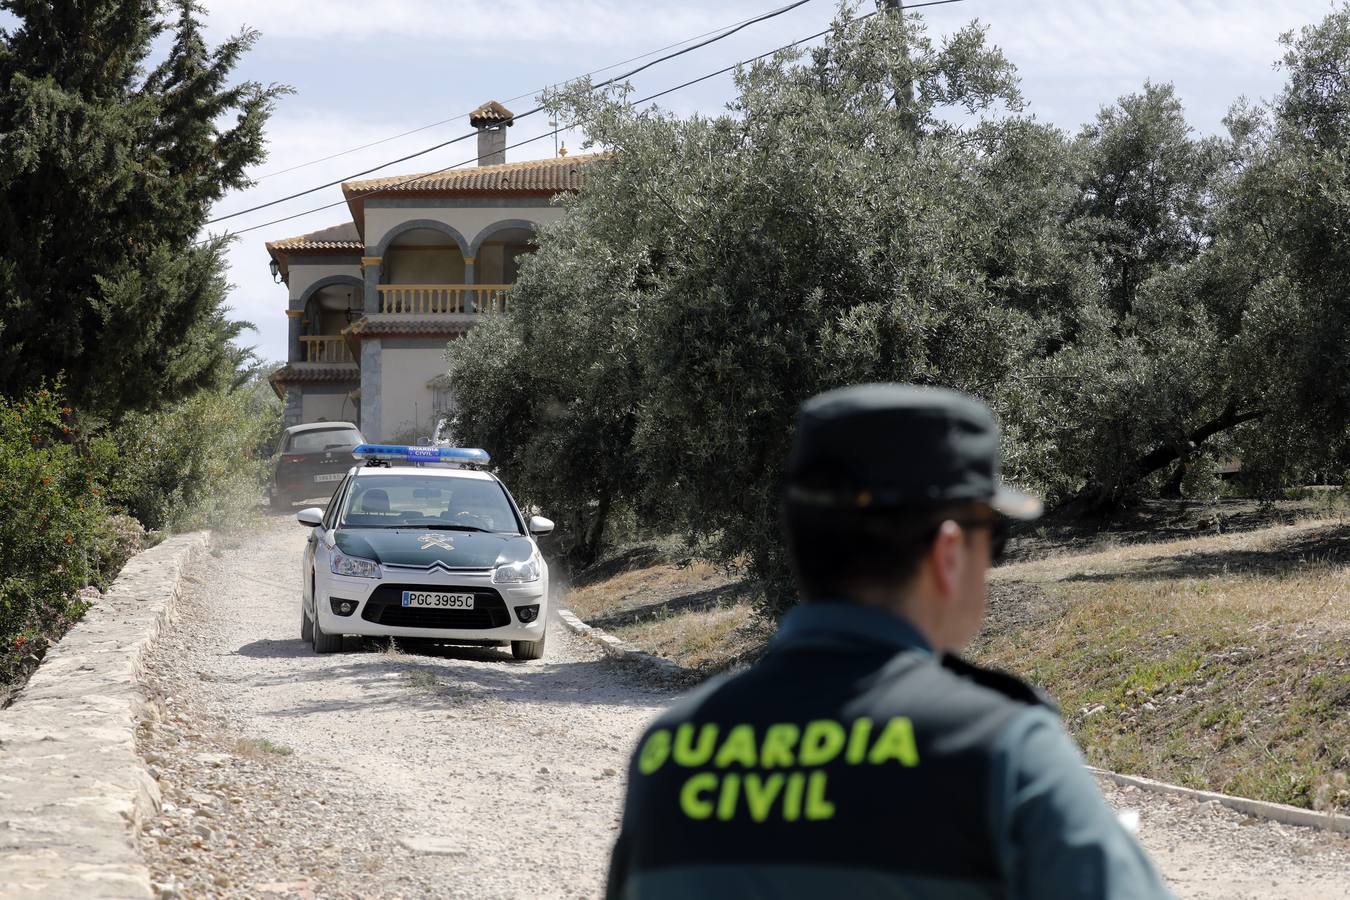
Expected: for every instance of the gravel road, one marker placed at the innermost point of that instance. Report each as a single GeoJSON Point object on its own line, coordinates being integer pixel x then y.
{"type": "Point", "coordinates": [371, 774]}
{"type": "Point", "coordinates": [466, 774]}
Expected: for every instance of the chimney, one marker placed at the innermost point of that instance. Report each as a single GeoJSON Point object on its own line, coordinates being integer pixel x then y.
{"type": "Point", "coordinates": [491, 119]}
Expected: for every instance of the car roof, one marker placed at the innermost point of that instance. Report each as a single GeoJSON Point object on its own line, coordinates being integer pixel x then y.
{"type": "Point", "coordinates": [439, 471]}
{"type": "Point", "coordinates": [320, 426]}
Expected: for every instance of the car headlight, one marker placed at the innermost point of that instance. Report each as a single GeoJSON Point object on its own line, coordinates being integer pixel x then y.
{"type": "Point", "coordinates": [517, 572]}
{"type": "Point", "coordinates": [354, 566]}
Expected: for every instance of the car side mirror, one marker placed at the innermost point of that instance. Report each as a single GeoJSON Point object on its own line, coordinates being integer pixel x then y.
{"type": "Point", "coordinates": [311, 516]}
{"type": "Point", "coordinates": [540, 525]}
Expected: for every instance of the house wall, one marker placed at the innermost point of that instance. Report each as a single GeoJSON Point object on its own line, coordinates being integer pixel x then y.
{"type": "Point", "coordinates": [406, 403]}
{"type": "Point", "coordinates": [498, 262]}
{"type": "Point", "coordinates": [304, 274]}
{"type": "Point", "coordinates": [424, 265]}
{"type": "Point", "coordinates": [468, 216]}
{"type": "Point", "coordinates": [326, 403]}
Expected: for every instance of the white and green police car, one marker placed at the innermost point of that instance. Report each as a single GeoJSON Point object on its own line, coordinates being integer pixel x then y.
{"type": "Point", "coordinates": [419, 542]}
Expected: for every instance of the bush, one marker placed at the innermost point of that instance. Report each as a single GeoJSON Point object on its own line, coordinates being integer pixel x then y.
{"type": "Point", "coordinates": [54, 536]}
{"type": "Point", "coordinates": [199, 463]}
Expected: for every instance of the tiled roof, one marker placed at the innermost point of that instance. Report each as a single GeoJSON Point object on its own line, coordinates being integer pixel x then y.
{"type": "Point", "coordinates": [312, 374]}
{"type": "Point", "coordinates": [317, 373]}
{"type": "Point", "coordinates": [536, 175]}
{"type": "Point", "coordinates": [387, 325]}
{"type": "Point", "coordinates": [490, 113]}
{"type": "Point", "coordinates": [339, 237]}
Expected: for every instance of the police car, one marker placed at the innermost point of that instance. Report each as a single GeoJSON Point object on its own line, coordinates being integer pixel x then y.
{"type": "Point", "coordinates": [420, 542]}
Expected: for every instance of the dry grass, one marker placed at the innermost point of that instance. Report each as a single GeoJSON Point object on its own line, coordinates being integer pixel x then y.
{"type": "Point", "coordinates": [422, 679]}
{"type": "Point", "coordinates": [643, 586]}
{"type": "Point", "coordinates": [1218, 662]}
{"type": "Point", "coordinates": [260, 748]}
{"type": "Point", "coordinates": [1221, 662]}
{"type": "Point", "coordinates": [692, 612]}
{"type": "Point", "coordinates": [707, 640]}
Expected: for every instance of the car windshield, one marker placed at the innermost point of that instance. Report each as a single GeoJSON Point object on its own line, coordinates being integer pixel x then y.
{"type": "Point", "coordinates": [322, 439]}
{"type": "Point", "coordinates": [428, 501]}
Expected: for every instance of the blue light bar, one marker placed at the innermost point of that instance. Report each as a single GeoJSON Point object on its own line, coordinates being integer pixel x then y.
{"type": "Point", "coordinates": [400, 453]}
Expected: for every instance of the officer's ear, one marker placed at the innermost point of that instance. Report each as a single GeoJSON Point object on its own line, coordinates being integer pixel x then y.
{"type": "Point", "coordinates": [947, 556]}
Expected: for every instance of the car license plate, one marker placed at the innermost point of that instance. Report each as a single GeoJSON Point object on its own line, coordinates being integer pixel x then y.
{"type": "Point", "coordinates": [435, 600]}
{"type": "Point", "coordinates": [332, 476]}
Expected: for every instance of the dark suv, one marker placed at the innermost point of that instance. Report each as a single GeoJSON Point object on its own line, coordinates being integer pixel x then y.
{"type": "Point", "coordinates": [311, 460]}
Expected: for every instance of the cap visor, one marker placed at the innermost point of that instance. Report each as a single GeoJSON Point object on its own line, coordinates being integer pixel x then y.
{"type": "Point", "coordinates": [1015, 504]}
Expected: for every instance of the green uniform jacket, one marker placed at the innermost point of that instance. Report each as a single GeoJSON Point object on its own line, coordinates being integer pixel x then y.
{"type": "Point", "coordinates": [853, 762]}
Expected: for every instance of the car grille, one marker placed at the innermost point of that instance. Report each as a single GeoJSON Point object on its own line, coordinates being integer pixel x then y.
{"type": "Point", "coordinates": [385, 607]}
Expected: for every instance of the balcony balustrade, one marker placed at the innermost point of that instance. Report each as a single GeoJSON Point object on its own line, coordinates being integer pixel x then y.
{"type": "Point", "coordinates": [444, 299]}
{"type": "Point", "coordinates": [327, 348]}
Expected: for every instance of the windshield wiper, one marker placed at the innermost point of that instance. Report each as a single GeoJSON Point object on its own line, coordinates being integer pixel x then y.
{"type": "Point", "coordinates": [442, 526]}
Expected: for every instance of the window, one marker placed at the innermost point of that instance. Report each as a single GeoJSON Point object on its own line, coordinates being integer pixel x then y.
{"type": "Point", "coordinates": [398, 501]}
{"type": "Point", "coordinates": [330, 514]}
{"type": "Point", "coordinates": [322, 439]}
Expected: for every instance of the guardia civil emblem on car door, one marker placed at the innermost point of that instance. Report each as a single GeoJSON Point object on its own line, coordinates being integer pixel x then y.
{"type": "Point", "coordinates": [436, 540]}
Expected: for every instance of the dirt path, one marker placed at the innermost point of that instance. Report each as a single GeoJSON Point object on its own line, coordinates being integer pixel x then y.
{"type": "Point", "coordinates": [463, 775]}
{"type": "Point", "coordinates": [467, 774]}
{"type": "Point", "coordinates": [1209, 852]}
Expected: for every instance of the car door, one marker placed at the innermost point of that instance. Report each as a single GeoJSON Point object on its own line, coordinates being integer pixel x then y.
{"type": "Point", "coordinates": [321, 537]}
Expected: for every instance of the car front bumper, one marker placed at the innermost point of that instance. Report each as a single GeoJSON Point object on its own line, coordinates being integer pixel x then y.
{"type": "Point", "coordinates": [379, 611]}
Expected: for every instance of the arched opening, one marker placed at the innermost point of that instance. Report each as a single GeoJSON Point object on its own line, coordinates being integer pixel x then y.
{"type": "Point", "coordinates": [423, 256]}
{"type": "Point", "coordinates": [328, 310]}
{"type": "Point", "coordinates": [498, 259]}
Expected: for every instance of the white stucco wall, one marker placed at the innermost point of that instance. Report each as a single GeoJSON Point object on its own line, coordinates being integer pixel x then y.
{"type": "Point", "coordinates": [423, 266]}
{"type": "Point", "coordinates": [406, 403]}
{"type": "Point", "coordinates": [322, 404]}
{"type": "Point", "coordinates": [305, 274]}
{"type": "Point", "coordinates": [468, 221]}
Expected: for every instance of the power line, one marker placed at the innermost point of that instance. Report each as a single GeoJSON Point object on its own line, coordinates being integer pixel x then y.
{"type": "Point", "coordinates": [464, 137]}
{"type": "Point", "coordinates": [422, 128]}
{"type": "Point", "coordinates": [548, 134]}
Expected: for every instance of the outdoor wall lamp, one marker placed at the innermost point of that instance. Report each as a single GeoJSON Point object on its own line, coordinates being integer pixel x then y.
{"type": "Point", "coordinates": [276, 271]}
{"type": "Point", "coordinates": [351, 314]}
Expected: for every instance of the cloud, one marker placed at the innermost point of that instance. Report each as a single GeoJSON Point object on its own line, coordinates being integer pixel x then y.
{"type": "Point", "coordinates": [1077, 56]}
{"type": "Point", "coordinates": [1074, 57]}
{"type": "Point", "coordinates": [476, 26]}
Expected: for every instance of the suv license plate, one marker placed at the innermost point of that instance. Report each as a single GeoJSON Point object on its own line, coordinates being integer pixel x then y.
{"type": "Point", "coordinates": [332, 476]}
{"type": "Point", "coordinates": [432, 600]}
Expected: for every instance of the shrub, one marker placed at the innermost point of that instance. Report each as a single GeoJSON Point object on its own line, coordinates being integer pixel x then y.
{"type": "Point", "coordinates": [53, 536]}
{"type": "Point", "coordinates": [199, 463]}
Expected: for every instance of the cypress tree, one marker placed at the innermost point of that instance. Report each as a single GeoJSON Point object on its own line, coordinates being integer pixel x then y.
{"type": "Point", "coordinates": [109, 163]}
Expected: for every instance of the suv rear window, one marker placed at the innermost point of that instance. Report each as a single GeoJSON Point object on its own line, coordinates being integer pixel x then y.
{"type": "Point", "coordinates": [323, 439]}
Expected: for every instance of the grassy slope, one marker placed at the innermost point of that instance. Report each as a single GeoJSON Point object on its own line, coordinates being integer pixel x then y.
{"type": "Point", "coordinates": [1218, 662]}
{"type": "Point", "coordinates": [690, 612]}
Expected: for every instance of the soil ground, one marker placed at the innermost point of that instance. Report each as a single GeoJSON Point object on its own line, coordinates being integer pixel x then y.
{"type": "Point", "coordinates": [1202, 644]}
{"type": "Point", "coordinates": [438, 773]}
{"type": "Point", "coordinates": [460, 773]}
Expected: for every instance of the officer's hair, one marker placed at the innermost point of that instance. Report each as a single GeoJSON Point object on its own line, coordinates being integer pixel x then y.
{"type": "Point", "coordinates": [833, 549]}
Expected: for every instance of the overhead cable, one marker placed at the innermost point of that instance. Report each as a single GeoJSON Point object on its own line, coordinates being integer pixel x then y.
{"type": "Point", "coordinates": [763, 17]}
{"type": "Point", "coordinates": [421, 128]}
{"type": "Point", "coordinates": [548, 134]}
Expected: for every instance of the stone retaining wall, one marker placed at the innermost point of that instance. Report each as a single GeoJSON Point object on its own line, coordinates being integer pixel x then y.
{"type": "Point", "coordinates": [73, 790]}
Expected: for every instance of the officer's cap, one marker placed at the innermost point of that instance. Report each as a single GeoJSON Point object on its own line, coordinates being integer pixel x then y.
{"type": "Point", "coordinates": [899, 446]}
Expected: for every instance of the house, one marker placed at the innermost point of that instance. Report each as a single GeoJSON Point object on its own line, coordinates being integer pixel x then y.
{"type": "Point", "coordinates": [373, 302]}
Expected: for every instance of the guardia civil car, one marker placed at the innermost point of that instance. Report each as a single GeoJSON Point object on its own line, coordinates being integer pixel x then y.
{"type": "Point", "coordinates": [418, 542]}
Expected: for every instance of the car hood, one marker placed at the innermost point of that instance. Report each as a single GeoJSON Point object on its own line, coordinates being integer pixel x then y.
{"type": "Point", "coordinates": [424, 546]}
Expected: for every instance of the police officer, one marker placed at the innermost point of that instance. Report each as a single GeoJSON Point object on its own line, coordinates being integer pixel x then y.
{"type": "Point", "coordinates": [861, 757]}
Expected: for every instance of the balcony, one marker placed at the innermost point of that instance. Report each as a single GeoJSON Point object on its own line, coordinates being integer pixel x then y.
{"type": "Point", "coordinates": [469, 300]}
{"type": "Point", "coordinates": [328, 348]}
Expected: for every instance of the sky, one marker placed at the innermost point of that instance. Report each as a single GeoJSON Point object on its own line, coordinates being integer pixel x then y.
{"type": "Point", "coordinates": [366, 71]}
